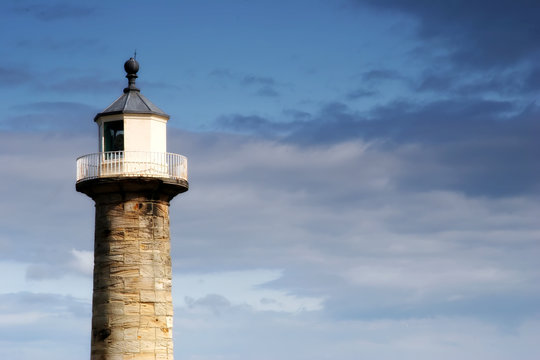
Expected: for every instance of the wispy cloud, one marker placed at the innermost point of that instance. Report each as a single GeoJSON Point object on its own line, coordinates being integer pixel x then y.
{"type": "Point", "coordinates": [53, 12]}
{"type": "Point", "coordinates": [264, 86]}
{"type": "Point", "coordinates": [63, 116]}
{"type": "Point", "coordinates": [360, 93]}
{"type": "Point", "coordinates": [14, 76]}
{"type": "Point", "coordinates": [380, 75]}
{"type": "Point", "coordinates": [478, 139]}
{"type": "Point", "coordinates": [258, 80]}
{"type": "Point", "coordinates": [474, 37]}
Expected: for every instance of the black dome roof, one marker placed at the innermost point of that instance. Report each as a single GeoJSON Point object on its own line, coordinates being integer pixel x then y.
{"type": "Point", "coordinates": [132, 101]}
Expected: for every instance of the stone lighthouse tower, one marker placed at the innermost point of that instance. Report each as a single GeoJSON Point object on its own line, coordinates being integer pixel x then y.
{"type": "Point", "coordinates": [132, 179]}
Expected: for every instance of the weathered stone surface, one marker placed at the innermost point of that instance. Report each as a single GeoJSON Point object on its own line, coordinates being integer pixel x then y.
{"type": "Point", "coordinates": [146, 333]}
{"type": "Point", "coordinates": [132, 303]}
{"type": "Point", "coordinates": [147, 309]}
{"type": "Point", "coordinates": [131, 334]}
{"type": "Point", "coordinates": [163, 308]}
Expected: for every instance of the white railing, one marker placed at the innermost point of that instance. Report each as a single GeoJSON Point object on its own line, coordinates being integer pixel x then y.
{"type": "Point", "coordinates": [131, 164]}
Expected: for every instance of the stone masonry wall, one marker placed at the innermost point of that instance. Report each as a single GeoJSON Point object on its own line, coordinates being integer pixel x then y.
{"type": "Point", "coordinates": [132, 311]}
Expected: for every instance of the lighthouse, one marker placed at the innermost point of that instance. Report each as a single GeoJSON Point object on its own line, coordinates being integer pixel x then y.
{"type": "Point", "coordinates": [132, 180]}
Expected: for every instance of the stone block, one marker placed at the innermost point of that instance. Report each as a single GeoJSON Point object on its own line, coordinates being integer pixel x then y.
{"type": "Point", "coordinates": [161, 210]}
{"type": "Point", "coordinates": [132, 308]}
{"type": "Point", "coordinates": [133, 257]}
{"type": "Point", "coordinates": [148, 245]}
{"type": "Point", "coordinates": [160, 258]}
{"type": "Point", "coordinates": [148, 296]}
{"type": "Point", "coordinates": [98, 348]}
{"type": "Point", "coordinates": [147, 309]}
{"type": "Point", "coordinates": [113, 283]}
{"type": "Point", "coordinates": [163, 296]}
{"type": "Point", "coordinates": [131, 233]}
{"type": "Point", "coordinates": [146, 233]}
{"type": "Point", "coordinates": [125, 295]}
{"type": "Point", "coordinates": [101, 247]}
{"type": "Point", "coordinates": [123, 221]}
{"type": "Point", "coordinates": [163, 284]}
{"type": "Point", "coordinates": [164, 247]}
{"type": "Point", "coordinates": [158, 228]}
{"type": "Point", "coordinates": [145, 221]}
{"type": "Point", "coordinates": [162, 356]}
{"type": "Point", "coordinates": [147, 270]}
{"type": "Point", "coordinates": [100, 296]}
{"type": "Point", "coordinates": [131, 206]}
{"type": "Point", "coordinates": [111, 357]}
{"type": "Point", "coordinates": [116, 235]}
{"type": "Point", "coordinates": [110, 308]}
{"type": "Point", "coordinates": [147, 346]}
{"type": "Point", "coordinates": [146, 333]}
{"type": "Point", "coordinates": [131, 333]}
{"type": "Point", "coordinates": [147, 258]}
{"type": "Point", "coordinates": [146, 283]}
{"type": "Point", "coordinates": [163, 308]}
{"type": "Point", "coordinates": [124, 270]}
{"type": "Point", "coordinates": [117, 334]}
{"type": "Point", "coordinates": [141, 356]}
{"type": "Point", "coordinates": [148, 209]}
{"type": "Point", "coordinates": [124, 347]}
{"type": "Point", "coordinates": [131, 283]}
{"type": "Point", "coordinates": [108, 258]}
{"type": "Point", "coordinates": [123, 247]}
{"type": "Point", "coordinates": [164, 333]}
{"type": "Point", "coordinates": [159, 271]}
{"type": "Point", "coordinates": [125, 321]}
{"type": "Point", "coordinates": [116, 308]}
{"type": "Point", "coordinates": [163, 345]}
{"type": "Point", "coordinates": [153, 321]}
{"type": "Point", "coordinates": [99, 320]}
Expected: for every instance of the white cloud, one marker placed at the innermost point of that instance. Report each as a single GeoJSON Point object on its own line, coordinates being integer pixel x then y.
{"type": "Point", "coordinates": [83, 261]}
{"type": "Point", "coordinates": [21, 318]}
{"type": "Point", "coordinates": [312, 336]}
{"type": "Point", "coordinates": [14, 279]}
{"type": "Point", "coordinates": [297, 252]}
{"type": "Point", "coordinates": [242, 288]}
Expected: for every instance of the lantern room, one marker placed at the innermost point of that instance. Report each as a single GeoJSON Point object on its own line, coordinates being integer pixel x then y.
{"type": "Point", "coordinates": [132, 122]}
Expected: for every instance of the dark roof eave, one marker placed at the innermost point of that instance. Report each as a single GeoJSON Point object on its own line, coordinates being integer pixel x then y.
{"type": "Point", "coordinates": [130, 112]}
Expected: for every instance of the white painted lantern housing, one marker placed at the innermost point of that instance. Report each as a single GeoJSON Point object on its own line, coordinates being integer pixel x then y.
{"type": "Point", "coordinates": [132, 139]}
{"type": "Point", "coordinates": [132, 122]}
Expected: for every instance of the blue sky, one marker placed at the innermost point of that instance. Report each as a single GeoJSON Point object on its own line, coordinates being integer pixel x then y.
{"type": "Point", "coordinates": [364, 175]}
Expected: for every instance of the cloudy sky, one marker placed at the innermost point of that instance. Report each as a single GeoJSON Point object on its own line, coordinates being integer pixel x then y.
{"type": "Point", "coordinates": [364, 175]}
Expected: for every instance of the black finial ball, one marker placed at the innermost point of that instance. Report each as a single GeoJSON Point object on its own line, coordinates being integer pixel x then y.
{"type": "Point", "coordinates": [131, 66]}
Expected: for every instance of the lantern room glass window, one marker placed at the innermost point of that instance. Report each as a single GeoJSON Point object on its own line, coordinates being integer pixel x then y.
{"type": "Point", "coordinates": [113, 136]}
